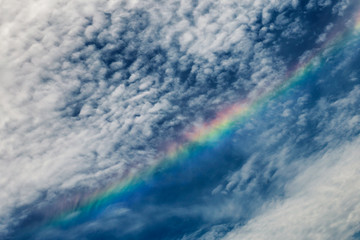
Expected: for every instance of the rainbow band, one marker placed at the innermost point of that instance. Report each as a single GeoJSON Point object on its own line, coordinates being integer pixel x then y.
{"type": "Point", "coordinates": [209, 132]}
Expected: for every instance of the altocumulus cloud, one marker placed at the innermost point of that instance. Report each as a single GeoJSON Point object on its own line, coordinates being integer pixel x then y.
{"type": "Point", "coordinates": [91, 91]}
{"type": "Point", "coordinates": [90, 88]}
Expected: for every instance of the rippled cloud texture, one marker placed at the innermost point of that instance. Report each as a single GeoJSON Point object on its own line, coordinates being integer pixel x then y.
{"type": "Point", "coordinates": [92, 92]}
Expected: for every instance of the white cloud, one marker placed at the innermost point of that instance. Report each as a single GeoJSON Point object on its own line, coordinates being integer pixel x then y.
{"type": "Point", "coordinates": [312, 4]}
{"type": "Point", "coordinates": [340, 7]}
{"type": "Point", "coordinates": [321, 202]}
{"type": "Point", "coordinates": [85, 94]}
{"type": "Point", "coordinates": [308, 158]}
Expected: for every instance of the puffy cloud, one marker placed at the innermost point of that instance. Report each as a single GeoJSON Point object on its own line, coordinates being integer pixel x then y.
{"type": "Point", "coordinates": [340, 7]}
{"type": "Point", "coordinates": [309, 161]}
{"type": "Point", "coordinates": [90, 89]}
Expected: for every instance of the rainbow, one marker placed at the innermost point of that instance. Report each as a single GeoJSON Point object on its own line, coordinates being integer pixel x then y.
{"type": "Point", "coordinates": [226, 121]}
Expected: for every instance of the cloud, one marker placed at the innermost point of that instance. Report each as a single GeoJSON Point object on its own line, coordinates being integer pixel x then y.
{"type": "Point", "coordinates": [91, 90]}
{"type": "Point", "coordinates": [313, 4]}
{"type": "Point", "coordinates": [340, 7]}
{"type": "Point", "coordinates": [320, 203]}
{"type": "Point", "coordinates": [309, 163]}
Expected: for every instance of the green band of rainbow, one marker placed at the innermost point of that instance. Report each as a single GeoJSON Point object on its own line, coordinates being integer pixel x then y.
{"type": "Point", "coordinates": [211, 131]}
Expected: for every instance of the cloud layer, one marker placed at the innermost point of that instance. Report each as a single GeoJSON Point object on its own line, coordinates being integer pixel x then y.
{"type": "Point", "coordinates": [92, 91]}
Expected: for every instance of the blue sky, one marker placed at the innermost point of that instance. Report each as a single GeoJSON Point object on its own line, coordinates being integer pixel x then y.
{"type": "Point", "coordinates": [94, 91]}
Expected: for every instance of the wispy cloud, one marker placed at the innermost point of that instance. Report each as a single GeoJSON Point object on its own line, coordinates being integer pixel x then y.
{"type": "Point", "coordinates": [92, 91]}
{"type": "Point", "coordinates": [320, 203]}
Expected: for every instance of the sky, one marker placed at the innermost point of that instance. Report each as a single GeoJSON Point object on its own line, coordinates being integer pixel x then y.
{"type": "Point", "coordinates": [179, 119]}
